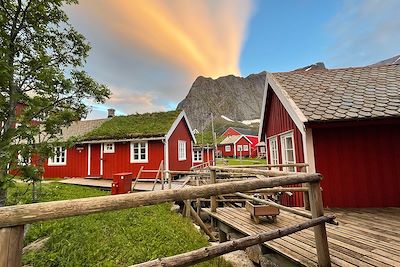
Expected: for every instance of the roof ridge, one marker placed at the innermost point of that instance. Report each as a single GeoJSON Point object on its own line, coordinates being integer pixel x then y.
{"type": "Point", "coordinates": [339, 69]}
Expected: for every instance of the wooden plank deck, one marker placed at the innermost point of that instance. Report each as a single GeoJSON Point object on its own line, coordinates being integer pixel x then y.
{"type": "Point", "coordinates": [106, 184]}
{"type": "Point", "coordinates": [364, 237]}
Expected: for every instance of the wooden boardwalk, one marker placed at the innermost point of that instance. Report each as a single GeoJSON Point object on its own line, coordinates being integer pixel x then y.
{"type": "Point", "coordinates": [106, 184]}
{"type": "Point", "coordinates": [364, 237]}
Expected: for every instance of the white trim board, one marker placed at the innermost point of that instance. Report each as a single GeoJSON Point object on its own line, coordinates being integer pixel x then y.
{"type": "Point", "coordinates": [175, 124]}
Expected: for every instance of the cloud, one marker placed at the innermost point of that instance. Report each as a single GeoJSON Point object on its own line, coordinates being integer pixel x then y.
{"type": "Point", "coordinates": [364, 32]}
{"type": "Point", "coordinates": [150, 51]}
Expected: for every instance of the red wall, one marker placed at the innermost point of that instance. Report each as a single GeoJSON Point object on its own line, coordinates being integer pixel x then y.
{"type": "Point", "coordinates": [242, 141]}
{"type": "Point", "coordinates": [224, 153]}
{"type": "Point", "coordinates": [360, 165]}
{"type": "Point", "coordinates": [254, 140]}
{"type": "Point", "coordinates": [181, 132]}
{"type": "Point", "coordinates": [277, 121]}
{"type": "Point", "coordinates": [76, 165]}
{"type": "Point", "coordinates": [230, 132]}
{"type": "Point", "coordinates": [119, 161]}
{"type": "Point", "coordinates": [208, 156]}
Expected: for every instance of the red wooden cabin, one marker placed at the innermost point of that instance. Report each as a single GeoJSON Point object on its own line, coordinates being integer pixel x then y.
{"type": "Point", "coordinates": [249, 133]}
{"type": "Point", "coordinates": [235, 146]}
{"type": "Point", "coordinates": [345, 123]}
{"type": "Point", "coordinates": [125, 144]}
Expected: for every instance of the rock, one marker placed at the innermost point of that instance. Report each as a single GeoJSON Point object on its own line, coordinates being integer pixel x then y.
{"type": "Point", "coordinates": [175, 208]}
{"type": "Point", "coordinates": [238, 259]}
{"type": "Point", "coordinates": [35, 245]}
{"type": "Point", "coordinates": [235, 97]}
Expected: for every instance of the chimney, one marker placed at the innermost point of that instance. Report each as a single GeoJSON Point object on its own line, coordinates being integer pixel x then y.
{"type": "Point", "coordinates": [111, 112]}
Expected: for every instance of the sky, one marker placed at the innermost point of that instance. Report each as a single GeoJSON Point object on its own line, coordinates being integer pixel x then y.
{"type": "Point", "coordinates": [149, 52]}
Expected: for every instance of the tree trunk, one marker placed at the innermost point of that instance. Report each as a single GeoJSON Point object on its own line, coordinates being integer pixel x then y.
{"type": "Point", "coordinates": [3, 197]}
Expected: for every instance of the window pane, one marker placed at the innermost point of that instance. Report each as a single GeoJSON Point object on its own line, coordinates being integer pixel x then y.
{"type": "Point", "coordinates": [289, 143]}
{"type": "Point", "coordinates": [290, 156]}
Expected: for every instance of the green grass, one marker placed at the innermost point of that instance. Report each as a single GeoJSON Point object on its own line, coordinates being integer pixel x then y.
{"type": "Point", "coordinates": [135, 125]}
{"type": "Point", "coordinates": [244, 161]}
{"type": "Point", "coordinates": [118, 238]}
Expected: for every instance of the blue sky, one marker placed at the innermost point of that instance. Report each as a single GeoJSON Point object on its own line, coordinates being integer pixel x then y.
{"type": "Point", "coordinates": [150, 52]}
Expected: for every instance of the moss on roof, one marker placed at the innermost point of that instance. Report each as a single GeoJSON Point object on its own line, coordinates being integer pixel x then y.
{"type": "Point", "coordinates": [155, 124]}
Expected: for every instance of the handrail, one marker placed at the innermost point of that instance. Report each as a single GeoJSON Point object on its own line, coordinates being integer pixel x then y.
{"type": "Point", "coordinates": [207, 253]}
{"type": "Point", "coordinates": [30, 213]}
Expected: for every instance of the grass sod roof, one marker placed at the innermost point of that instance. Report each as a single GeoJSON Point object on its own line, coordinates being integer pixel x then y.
{"type": "Point", "coordinates": [145, 125]}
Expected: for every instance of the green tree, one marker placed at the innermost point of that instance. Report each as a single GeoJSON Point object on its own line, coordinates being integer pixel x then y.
{"type": "Point", "coordinates": [41, 66]}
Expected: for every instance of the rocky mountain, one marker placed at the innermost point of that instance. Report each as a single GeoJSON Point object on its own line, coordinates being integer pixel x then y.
{"type": "Point", "coordinates": [235, 97]}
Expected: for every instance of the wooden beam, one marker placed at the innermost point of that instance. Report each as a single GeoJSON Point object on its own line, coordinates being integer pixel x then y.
{"type": "Point", "coordinates": [280, 189]}
{"type": "Point", "coordinates": [11, 245]}
{"type": "Point", "coordinates": [321, 239]}
{"type": "Point", "coordinates": [200, 222]}
{"type": "Point", "coordinates": [137, 177]}
{"type": "Point", "coordinates": [206, 253]}
{"type": "Point", "coordinates": [30, 213]}
{"type": "Point", "coordinates": [271, 165]}
{"type": "Point", "coordinates": [251, 171]}
{"type": "Point", "coordinates": [213, 180]}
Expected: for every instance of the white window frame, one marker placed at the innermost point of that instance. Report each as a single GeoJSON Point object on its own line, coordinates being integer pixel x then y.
{"type": "Point", "coordinates": [245, 148]}
{"type": "Point", "coordinates": [227, 148]}
{"type": "Point", "coordinates": [182, 150]}
{"type": "Point", "coordinates": [140, 144]}
{"type": "Point", "coordinates": [108, 149]}
{"type": "Point", "coordinates": [197, 155]}
{"type": "Point", "coordinates": [273, 150]}
{"type": "Point", "coordinates": [284, 151]}
{"type": "Point", "coordinates": [56, 160]}
{"type": "Point", "coordinates": [239, 148]}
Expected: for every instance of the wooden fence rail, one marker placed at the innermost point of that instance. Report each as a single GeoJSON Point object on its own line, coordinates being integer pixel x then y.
{"type": "Point", "coordinates": [207, 253]}
{"type": "Point", "coordinates": [14, 217]}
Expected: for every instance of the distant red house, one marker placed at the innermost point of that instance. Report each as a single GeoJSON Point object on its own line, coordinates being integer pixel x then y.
{"type": "Point", "coordinates": [345, 123]}
{"type": "Point", "coordinates": [249, 133]}
{"type": "Point", "coordinates": [235, 146]}
{"type": "Point", "coordinates": [124, 144]}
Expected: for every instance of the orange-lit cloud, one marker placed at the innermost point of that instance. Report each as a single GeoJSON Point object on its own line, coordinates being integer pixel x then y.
{"type": "Point", "coordinates": [202, 37]}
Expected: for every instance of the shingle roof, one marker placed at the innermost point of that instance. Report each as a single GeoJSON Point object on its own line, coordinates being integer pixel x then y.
{"type": "Point", "coordinates": [145, 125]}
{"type": "Point", "coordinates": [231, 139]}
{"type": "Point", "coordinates": [245, 131]}
{"type": "Point", "coordinates": [342, 94]}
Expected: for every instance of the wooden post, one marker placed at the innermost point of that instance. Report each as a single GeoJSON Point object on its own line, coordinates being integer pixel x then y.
{"type": "Point", "coordinates": [198, 203]}
{"type": "Point", "coordinates": [137, 178]}
{"type": "Point", "coordinates": [169, 177]}
{"type": "Point", "coordinates": [162, 177]}
{"type": "Point", "coordinates": [306, 199]}
{"type": "Point", "coordinates": [200, 223]}
{"type": "Point", "coordinates": [213, 180]}
{"type": "Point", "coordinates": [222, 236]}
{"type": "Point", "coordinates": [186, 212]}
{"type": "Point", "coordinates": [11, 245]}
{"type": "Point", "coordinates": [317, 210]}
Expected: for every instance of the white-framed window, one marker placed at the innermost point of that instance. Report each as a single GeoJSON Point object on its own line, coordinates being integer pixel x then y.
{"type": "Point", "coordinates": [287, 147]}
{"type": "Point", "coordinates": [197, 156]}
{"type": "Point", "coordinates": [239, 148]}
{"type": "Point", "coordinates": [273, 150]}
{"type": "Point", "coordinates": [109, 147]}
{"type": "Point", "coordinates": [245, 147]}
{"type": "Point", "coordinates": [181, 150]}
{"type": "Point", "coordinates": [139, 152]}
{"type": "Point", "coordinates": [59, 158]}
{"type": "Point", "coordinates": [227, 148]}
{"type": "Point", "coordinates": [262, 149]}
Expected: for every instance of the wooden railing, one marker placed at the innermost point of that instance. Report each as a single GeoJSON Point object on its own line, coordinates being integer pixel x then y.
{"type": "Point", "coordinates": [13, 218]}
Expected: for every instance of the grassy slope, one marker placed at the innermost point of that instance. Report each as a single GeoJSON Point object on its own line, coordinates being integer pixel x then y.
{"type": "Point", "coordinates": [117, 238]}
{"type": "Point", "coordinates": [135, 125]}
